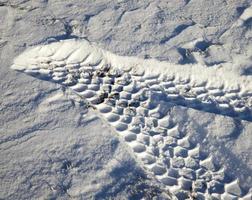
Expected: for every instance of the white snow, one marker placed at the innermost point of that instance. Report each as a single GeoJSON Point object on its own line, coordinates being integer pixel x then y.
{"type": "Point", "coordinates": [158, 94]}
{"type": "Point", "coordinates": [56, 145]}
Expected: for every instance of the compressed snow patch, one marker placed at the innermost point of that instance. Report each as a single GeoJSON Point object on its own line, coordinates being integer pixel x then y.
{"type": "Point", "coordinates": [135, 97]}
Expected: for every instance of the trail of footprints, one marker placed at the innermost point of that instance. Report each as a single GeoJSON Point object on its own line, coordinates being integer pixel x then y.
{"type": "Point", "coordinates": [138, 107]}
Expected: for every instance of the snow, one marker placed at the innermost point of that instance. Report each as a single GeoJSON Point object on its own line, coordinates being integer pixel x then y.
{"type": "Point", "coordinates": [54, 146]}
{"type": "Point", "coordinates": [98, 77]}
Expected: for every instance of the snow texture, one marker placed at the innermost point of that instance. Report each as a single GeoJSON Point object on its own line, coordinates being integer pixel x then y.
{"type": "Point", "coordinates": [136, 98]}
{"type": "Point", "coordinates": [53, 145]}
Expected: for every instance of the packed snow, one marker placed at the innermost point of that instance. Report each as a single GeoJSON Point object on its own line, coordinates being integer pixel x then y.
{"type": "Point", "coordinates": [136, 98]}
{"type": "Point", "coordinates": [126, 100]}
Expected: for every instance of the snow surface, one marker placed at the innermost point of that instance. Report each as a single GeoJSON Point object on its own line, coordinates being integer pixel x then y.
{"type": "Point", "coordinates": [51, 147]}
{"type": "Point", "coordinates": [137, 99]}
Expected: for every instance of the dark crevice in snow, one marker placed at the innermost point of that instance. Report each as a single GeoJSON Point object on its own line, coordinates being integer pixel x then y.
{"type": "Point", "coordinates": [248, 23]}
{"type": "Point", "coordinates": [187, 58]}
{"type": "Point", "coordinates": [186, 2]}
{"type": "Point", "coordinates": [247, 71]}
{"type": "Point", "coordinates": [203, 45]}
{"type": "Point", "coordinates": [119, 19]}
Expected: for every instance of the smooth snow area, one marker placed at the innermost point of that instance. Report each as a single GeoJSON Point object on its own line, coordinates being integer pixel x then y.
{"type": "Point", "coordinates": [141, 99]}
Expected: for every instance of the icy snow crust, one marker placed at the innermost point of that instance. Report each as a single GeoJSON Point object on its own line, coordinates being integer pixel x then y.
{"type": "Point", "coordinates": [136, 97]}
